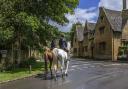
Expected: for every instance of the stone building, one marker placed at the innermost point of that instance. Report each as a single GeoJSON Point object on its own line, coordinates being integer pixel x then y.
{"type": "Point", "coordinates": [107, 34]}
{"type": "Point", "coordinates": [88, 40]}
{"type": "Point", "coordinates": [111, 33]}
{"type": "Point", "coordinates": [106, 38]}
{"type": "Point", "coordinates": [78, 41]}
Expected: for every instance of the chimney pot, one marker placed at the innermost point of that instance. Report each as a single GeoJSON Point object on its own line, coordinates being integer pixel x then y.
{"type": "Point", "coordinates": [124, 4]}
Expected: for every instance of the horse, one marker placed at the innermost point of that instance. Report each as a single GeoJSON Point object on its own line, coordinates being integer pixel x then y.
{"type": "Point", "coordinates": [48, 57]}
{"type": "Point", "coordinates": [61, 56]}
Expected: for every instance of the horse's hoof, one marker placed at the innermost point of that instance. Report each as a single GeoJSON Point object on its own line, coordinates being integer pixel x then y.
{"type": "Point", "coordinates": [62, 75]}
{"type": "Point", "coordinates": [55, 78]}
{"type": "Point", "coordinates": [66, 74]}
{"type": "Point", "coordinates": [51, 77]}
{"type": "Point", "coordinates": [45, 78]}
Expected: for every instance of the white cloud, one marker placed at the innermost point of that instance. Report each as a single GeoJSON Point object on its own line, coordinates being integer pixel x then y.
{"type": "Point", "coordinates": [80, 15]}
{"type": "Point", "coordinates": [91, 13]}
{"type": "Point", "coordinates": [112, 4]}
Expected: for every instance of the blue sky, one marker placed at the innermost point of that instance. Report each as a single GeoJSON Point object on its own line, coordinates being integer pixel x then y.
{"type": "Point", "coordinates": [88, 3]}
{"type": "Point", "coordinates": [89, 10]}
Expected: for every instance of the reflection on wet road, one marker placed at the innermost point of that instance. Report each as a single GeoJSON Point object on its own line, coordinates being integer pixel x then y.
{"type": "Point", "coordinates": [82, 75]}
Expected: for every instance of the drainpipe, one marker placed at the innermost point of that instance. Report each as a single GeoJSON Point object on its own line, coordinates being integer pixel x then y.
{"type": "Point", "coordinates": [113, 48]}
{"type": "Point", "coordinates": [124, 4]}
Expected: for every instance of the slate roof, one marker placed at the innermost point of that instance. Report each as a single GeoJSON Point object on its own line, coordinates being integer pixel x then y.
{"type": "Point", "coordinates": [114, 18]}
{"type": "Point", "coordinates": [80, 33]}
{"type": "Point", "coordinates": [89, 27]}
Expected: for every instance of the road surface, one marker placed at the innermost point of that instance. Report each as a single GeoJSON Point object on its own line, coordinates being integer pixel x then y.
{"type": "Point", "coordinates": [82, 75]}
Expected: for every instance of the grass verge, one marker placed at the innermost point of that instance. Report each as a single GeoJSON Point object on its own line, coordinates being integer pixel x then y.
{"type": "Point", "coordinates": [21, 72]}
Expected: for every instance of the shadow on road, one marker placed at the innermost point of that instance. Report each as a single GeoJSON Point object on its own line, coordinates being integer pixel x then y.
{"type": "Point", "coordinates": [43, 77]}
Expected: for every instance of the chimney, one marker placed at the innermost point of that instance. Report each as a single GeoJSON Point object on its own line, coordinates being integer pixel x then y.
{"type": "Point", "coordinates": [124, 4]}
{"type": "Point", "coordinates": [124, 13]}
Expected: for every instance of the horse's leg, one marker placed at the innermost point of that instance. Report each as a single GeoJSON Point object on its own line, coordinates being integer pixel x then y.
{"type": "Point", "coordinates": [66, 65]}
{"type": "Point", "coordinates": [50, 67]}
{"type": "Point", "coordinates": [62, 66]}
{"type": "Point", "coordinates": [55, 71]}
{"type": "Point", "coordinates": [46, 70]}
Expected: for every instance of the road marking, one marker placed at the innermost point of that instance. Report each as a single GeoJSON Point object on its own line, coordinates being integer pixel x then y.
{"type": "Point", "coordinates": [79, 68]}
{"type": "Point", "coordinates": [101, 76]}
{"type": "Point", "coordinates": [116, 64]}
{"type": "Point", "coordinates": [71, 70]}
{"type": "Point", "coordinates": [59, 83]}
{"type": "Point", "coordinates": [74, 66]}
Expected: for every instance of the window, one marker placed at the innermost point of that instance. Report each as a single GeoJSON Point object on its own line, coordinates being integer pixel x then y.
{"type": "Point", "coordinates": [75, 40]}
{"type": "Point", "coordinates": [79, 52]}
{"type": "Point", "coordinates": [83, 50]}
{"type": "Point", "coordinates": [125, 44]}
{"type": "Point", "coordinates": [75, 50]}
{"type": "Point", "coordinates": [86, 48]}
{"type": "Point", "coordinates": [117, 35]}
{"type": "Point", "coordinates": [101, 30]}
{"type": "Point", "coordinates": [102, 47]}
{"type": "Point", "coordinates": [102, 17]}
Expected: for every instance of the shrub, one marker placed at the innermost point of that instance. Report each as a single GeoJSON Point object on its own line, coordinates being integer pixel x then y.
{"type": "Point", "coordinates": [26, 63]}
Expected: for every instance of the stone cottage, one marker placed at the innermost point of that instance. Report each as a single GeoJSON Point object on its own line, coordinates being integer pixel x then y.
{"type": "Point", "coordinates": [106, 38]}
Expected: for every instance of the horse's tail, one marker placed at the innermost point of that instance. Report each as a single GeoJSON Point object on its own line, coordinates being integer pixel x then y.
{"type": "Point", "coordinates": [45, 56]}
{"type": "Point", "coordinates": [55, 63]}
{"type": "Point", "coordinates": [54, 57]}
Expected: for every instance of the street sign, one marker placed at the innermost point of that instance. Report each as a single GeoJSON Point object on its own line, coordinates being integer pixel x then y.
{"type": "Point", "coordinates": [4, 53]}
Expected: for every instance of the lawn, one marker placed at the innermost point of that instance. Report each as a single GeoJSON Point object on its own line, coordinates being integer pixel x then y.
{"type": "Point", "coordinates": [21, 72]}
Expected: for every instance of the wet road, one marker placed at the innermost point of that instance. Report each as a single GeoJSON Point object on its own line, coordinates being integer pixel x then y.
{"type": "Point", "coordinates": [82, 75]}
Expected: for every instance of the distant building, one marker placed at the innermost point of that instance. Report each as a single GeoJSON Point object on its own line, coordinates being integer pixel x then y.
{"type": "Point", "coordinates": [78, 41]}
{"type": "Point", "coordinates": [88, 42]}
{"type": "Point", "coordinates": [106, 38]}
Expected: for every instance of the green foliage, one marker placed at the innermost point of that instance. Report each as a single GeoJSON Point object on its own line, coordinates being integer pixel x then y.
{"type": "Point", "coordinates": [26, 21]}
{"type": "Point", "coordinates": [26, 63]}
{"type": "Point", "coordinates": [67, 36]}
{"type": "Point", "coordinates": [23, 72]}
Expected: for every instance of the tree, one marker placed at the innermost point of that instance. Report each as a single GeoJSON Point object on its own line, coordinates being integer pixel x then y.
{"type": "Point", "coordinates": [25, 22]}
{"type": "Point", "coordinates": [23, 16]}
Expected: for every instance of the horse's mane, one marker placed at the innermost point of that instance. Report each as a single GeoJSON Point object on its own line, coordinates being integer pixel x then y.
{"type": "Point", "coordinates": [47, 49]}
{"type": "Point", "coordinates": [48, 53]}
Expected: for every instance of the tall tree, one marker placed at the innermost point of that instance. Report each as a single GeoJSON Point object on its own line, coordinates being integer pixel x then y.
{"type": "Point", "coordinates": [25, 22]}
{"type": "Point", "coordinates": [19, 17]}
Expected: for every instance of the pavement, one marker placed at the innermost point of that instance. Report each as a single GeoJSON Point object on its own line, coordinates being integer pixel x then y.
{"type": "Point", "coordinates": [82, 75]}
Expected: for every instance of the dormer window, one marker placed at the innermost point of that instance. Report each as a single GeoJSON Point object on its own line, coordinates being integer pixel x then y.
{"type": "Point", "coordinates": [102, 17]}
{"type": "Point", "coordinates": [102, 47]}
{"type": "Point", "coordinates": [75, 39]}
{"type": "Point", "coordinates": [101, 30]}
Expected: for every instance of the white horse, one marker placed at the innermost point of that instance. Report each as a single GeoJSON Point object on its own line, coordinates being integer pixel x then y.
{"type": "Point", "coordinates": [61, 57]}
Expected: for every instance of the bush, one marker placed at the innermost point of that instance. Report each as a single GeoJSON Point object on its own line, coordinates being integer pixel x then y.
{"type": "Point", "coordinates": [1, 66]}
{"type": "Point", "coordinates": [26, 63]}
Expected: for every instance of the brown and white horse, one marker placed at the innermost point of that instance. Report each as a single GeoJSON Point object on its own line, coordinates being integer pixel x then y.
{"type": "Point", "coordinates": [57, 57]}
